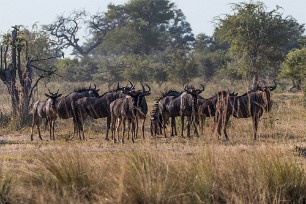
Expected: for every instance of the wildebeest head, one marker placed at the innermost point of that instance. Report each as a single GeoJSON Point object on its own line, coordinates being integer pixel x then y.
{"type": "Point", "coordinates": [193, 91]}
{"type": "Point", "coordinates": [125, 89]}
{"type": "Point", "coordinates": [266, 90]}
{"type": "Point", "coordinates": [140, 94]}
{"type": "Point", "coordinates": [93, 91]}
{"type": "Point", "coordinates": [53, 97]}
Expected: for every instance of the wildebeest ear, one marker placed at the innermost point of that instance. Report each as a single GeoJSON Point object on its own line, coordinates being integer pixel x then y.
{"type": "Point", "coordinates": [97, 90]}
{"type": "Point", "coordinates": [59, 95]}
{"type": "Point", "coordinates": [47, 95]}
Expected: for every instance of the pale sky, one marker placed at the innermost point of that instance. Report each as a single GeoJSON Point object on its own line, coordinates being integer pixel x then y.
{"type": "Point", "coordinates": [199, 13]}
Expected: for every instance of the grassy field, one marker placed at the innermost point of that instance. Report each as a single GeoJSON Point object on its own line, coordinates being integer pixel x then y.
{"type": "Point", "coordinates": [177, 170]}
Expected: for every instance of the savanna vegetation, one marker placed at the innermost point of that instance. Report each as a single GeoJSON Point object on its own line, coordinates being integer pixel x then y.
{"type": "Point", "coordinates": [151, 41]}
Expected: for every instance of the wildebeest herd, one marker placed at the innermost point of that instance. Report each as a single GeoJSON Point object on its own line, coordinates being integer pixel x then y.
{"type": "Point", "coordinates": [127, 106]}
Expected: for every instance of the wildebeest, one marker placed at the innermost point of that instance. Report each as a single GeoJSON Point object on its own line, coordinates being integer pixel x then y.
{"type": "Point", "coordinates": [65, 106]}
{"type": "Point", "coordinates": [98, 107]}
{"type": "Point", "coordinates": [251, 104]}
{"type": "Point", "coordinates": [162, 112]}
{"type": "Point", "coordinates": [142, 104]}
{"type": "Point", "coordinates": [45, 109]}
{"type": "Point", "coordinates": [188, 107]}
{"type": "Point", "coordinates": [123, 109]}
{"type": "Point", "coordinates": [207, 107]}
{"type": "Point", "coordinates": [183, 105]}
{"type": "Point", "coordinates": [155, 121]}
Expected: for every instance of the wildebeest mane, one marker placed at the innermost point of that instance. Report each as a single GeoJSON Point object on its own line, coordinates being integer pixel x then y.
{"type": "Point", "coordinates": [161, 96]}
{"type": "Point", "coordinates": [80, 90]}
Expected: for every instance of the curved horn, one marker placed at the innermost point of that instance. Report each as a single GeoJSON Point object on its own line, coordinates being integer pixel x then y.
{"type": "Point", "coordinates": [203, 88]}
{"type": "Point", "coordinates": [118, 87]}
{"type": "Point", "coordinates": [50, 92]}
{"type": "Point", "coordinates": [89, 86]}
{"type": "Point", "coordinates": [186, 88]}
{"type": "Point", "coordinates": [132, 86]}
{"type": "Point", "coordinates": [148, 87]}
{"type": "Point", "coordinates": [95, 86]}
{"type": "Point", "coordinates": [143, 88]}
{"type": "Point", "coordinates": [57, 91]}
{"type": "Point", "coordinates": [272, 88]}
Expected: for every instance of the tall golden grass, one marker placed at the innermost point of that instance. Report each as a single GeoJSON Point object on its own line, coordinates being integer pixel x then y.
{"type": "Point", "coordinates": [198, 170]}
{"type": "Point", "coordinates": [210, 175]}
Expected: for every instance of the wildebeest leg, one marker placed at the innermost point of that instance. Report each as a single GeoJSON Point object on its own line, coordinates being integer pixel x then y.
{"type": "Point", "coordinates": [133, 130]}
{"type": "Point", "coordinates": [188, 126]}
{"type": "Point", "coordinates": [202, 121]}
{"type": "Point", "coordinates": [36, 122]}
{"type": "Point", "coordinates": [118, 127]}
{"type": "Point", "coordinates": [159, 128]}
{"type": "Point", "coordinates": [142, 127]}
{"type": "Point", "coordinates": [173, 127]}
{"type": "Point", "coordinates": [165, 120]}
{"type": "Point", "coordinates": [174, 122]}
{"type": "Point", "coordinates": [38, 128]}
{"type": "Point", "coordinates": [50, 128]}
{"type": "Point", "coordinates": [53, 126]}
{"type": "Point", "coordinates": [123, 129]}
{"type": "Point", "coordinates": [196, 128]}
{"type": "Point", "coordinates": [151, 128]}
{"type": "Point", "coordinates": [182, 125]}
{"type": "Point", "coordinates": [137, 127]}
{"type": "Point", "coordinates": [129, 128]}
{"type": "Point", "coordinates": [52, 122]}
{"type": "Point", "coordinates": [255, 126]}
{"type": "Point", "coordinates": [224, 126]}
{"type": "Point", "coordinates": [75, 129]}
{"type": "Point", "coordinates": [113, 128]}
{"type": "Point", "coordinates": [218, 124]}
{"type": "Point", "coordinates": [108, 123]}
{"type": "Point", "coordinates": [80, 123]}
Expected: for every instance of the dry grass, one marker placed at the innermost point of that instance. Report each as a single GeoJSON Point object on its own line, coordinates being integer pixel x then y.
{"type": "Point", "coordinates": [200, 170]}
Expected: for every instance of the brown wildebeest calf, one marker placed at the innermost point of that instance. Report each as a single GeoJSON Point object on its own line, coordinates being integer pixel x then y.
{"type": "Point", "coordinates": [123, 109]}
{"type": "Point", "coordinates": [45, 109]}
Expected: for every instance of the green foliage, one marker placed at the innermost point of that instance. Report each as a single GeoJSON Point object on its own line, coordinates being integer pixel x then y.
{"type": "Point", "coordinates": [110, 70]}
{"type": "Point", "coordinates": [181, 66]}
{"type": "Point", "coordinates": [210, 55]}
{"type": "Point", "coordinates": [257, 36]}
{"type": "Point", "coordinates": [67, 69]}
{"type": "Point", "coordinates": [294, 66]}
{"type": "Point", "coordinates": [138, 68]}
{"type": "Point", "coordinates": [148, 27]}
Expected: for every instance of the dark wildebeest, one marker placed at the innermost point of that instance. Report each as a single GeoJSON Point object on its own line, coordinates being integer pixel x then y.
{"type": "Point", "coordinates": [163, 111]}
{"type": "Point", "coordinates": [251, 104]}
{"type": "Point", "coordinates": [98, 107]}
{"type": "Point", "coordinates": [207, 107]}
{"type": "Point", "coordinates": [183, 105]}
{"type": "Point", "coordinates": [45, 109]}
{"type": "Point", "coordinates": [142, 104]}
{"type": "Point", "coordinates": [126, 108]}
{"type": "Point", "coordinates": [155, 121]}
{"type": "Point", "coordinates": [65, 106]}
{"type": "Point", "coordinates": [189, 107]}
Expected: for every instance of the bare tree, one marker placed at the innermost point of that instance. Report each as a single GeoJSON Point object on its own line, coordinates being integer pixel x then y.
{"type": "Point", "coordinates": [66, 31]}
{"type": "Point", "coordinates": [17, 78]}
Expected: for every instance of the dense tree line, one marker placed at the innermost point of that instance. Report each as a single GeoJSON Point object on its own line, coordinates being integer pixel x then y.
{"type": "Point", "coordinates": [152, 41]}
